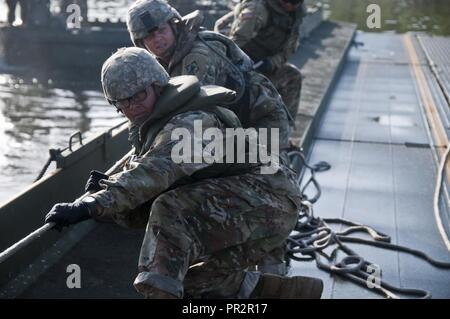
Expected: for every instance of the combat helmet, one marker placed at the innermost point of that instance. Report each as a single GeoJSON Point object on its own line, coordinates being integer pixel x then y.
{"type": "Point", "coordinates": [129, 71]}
{"type": "Point", "coordinates": [145, 16]}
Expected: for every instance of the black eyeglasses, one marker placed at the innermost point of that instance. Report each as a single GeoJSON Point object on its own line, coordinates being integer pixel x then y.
{"type": "Point", "coordinates": [125, 103]}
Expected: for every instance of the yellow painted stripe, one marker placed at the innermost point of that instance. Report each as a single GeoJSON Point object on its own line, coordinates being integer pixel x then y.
{"type": "Point", "coordinates": [436, 126]}
{"type": "Point", "coordinates": [431, 111]}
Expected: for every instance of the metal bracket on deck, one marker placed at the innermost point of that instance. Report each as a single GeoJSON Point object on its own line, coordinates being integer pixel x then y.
{"type": "Point", "coordinates": [56, 155]}
{"type": "Point", "coordinates": [80, 138]}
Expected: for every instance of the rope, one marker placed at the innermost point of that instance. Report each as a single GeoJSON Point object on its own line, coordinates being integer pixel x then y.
{"type": "Point", "coordinates": [313, 235]}
{"type": "Point", "coordinates": [318, 167]}
{"type": "Point", "coordinates": [435, 69]}
{"type": "Point", "coordinates": [437, 193]}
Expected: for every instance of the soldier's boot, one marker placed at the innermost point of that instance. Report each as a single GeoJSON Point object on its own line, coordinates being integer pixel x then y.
{"type": "Point", "coordinates": [150, 292]}
{"type": "Point", "coordinates": [154, 287]}
{"type": "Point", "coordinates": [274, 262]}
{"type": "Point", "coordinates": [277, 287]}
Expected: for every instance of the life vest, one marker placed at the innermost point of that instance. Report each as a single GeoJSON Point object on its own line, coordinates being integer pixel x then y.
{"type": "Point", "coordinates": [184, 94]}
{"type": "Point", "coordinates": [238, 80]}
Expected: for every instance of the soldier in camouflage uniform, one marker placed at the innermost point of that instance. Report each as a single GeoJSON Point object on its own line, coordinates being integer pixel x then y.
{"type": "Point", "coordinates": [205, 222]}
{"type": "Point", "coordinates": [269, 32]}
{"type": "Point", "coordinates": [12, 4]}
{"type": "Point", "coordinates": [183, 48]}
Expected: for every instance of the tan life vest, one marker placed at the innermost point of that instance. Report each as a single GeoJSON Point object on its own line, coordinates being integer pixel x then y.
{"type": "Point", "coordinates": [184, 94]}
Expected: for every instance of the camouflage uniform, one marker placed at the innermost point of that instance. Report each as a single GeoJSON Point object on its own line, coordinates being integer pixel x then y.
{"type": "Point", "coordinates": [225, 221]}
{"type": "Point", "coordinates": [264, 30]}
{"type": "Point", "coordinates": [206, 55]}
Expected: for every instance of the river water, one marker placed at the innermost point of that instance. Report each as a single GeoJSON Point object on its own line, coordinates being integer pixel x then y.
{"type": "Point", "coordinates": [431, 16]}
{"type": "Point", "coordinates": [40, 111]}
{"type": "Point", "coordinates": [35, 117]}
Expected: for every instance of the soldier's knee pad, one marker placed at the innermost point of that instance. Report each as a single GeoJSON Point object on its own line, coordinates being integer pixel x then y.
{"type": "Point", "coordinates": [277, 287]}
{"type": "Point", "coordinates": [274, 262]}
{"type": "Point", "coordinates": [156, 286]}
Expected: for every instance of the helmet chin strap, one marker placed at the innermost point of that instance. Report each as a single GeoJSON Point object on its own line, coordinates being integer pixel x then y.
{"type": "Point", "coordinates": [169, 53]}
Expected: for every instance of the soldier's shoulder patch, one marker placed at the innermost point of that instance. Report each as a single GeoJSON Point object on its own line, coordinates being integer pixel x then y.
{"type": "Point", "coordinates": [192, 68]}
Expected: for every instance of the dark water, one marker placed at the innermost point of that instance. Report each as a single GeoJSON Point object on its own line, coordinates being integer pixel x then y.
{"type": "Point", "coordinates": [39, 111]}
{"type": "Point", "coordinates": [431, 16]}
{"type": "Point", "coordinates": [35, 117]}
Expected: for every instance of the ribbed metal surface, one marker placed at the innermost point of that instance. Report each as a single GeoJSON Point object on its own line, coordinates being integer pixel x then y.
{"type": "Point", "coordinates": [373, 134]}
{"type": "Point", "coordinates": [438, 50]}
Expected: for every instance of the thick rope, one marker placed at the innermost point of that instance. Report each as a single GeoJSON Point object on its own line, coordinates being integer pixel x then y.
{"type": "Point", "coordinates": [312, 235]}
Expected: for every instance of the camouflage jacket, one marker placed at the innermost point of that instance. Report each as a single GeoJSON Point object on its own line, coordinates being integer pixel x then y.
{"type": "Point", "coordinates": [264, 30]}
{"type": "Point", "coordinates": [204, 59]}
{"type": "Point", "coordinates": [153, 170]}
{"type": "Point", "coordinates": [210, 56]}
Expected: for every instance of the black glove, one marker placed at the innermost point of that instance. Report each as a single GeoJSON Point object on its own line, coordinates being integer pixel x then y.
{"type": "Point", "coordinates": [65, 214]}
{"type": "Point", "coordinates": [265, 67]}
{"type": "Point", "coordinates": [92, 184]}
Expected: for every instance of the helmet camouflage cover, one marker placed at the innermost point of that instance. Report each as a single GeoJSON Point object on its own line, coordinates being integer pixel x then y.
{"type": "Point", "coordinates": [145, 16]}
{"type": "Point", "coordinates": [129, 71]}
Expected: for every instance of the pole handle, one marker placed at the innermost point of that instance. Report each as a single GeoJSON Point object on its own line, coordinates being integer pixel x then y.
{"type": "Point", "coordinates": [42, 230]}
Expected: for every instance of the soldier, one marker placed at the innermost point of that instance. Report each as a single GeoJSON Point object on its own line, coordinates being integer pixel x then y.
{"type": "Point", "coordinates": [183, 48]}
{"type": "Point", "coordinates": [205, 222]}
{"type": "Point", "coordinates": [12, 4]}
{"type": "Point", "coordinates": [269, 32]}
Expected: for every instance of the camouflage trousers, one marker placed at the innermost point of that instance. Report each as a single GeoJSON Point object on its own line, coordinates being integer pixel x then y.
{"type": "Point", "coordinates": [266, 108]}
{"type": "Point", "coordinates": [201, 237]}
{"type": "Point", "coordinates": [288, 81]}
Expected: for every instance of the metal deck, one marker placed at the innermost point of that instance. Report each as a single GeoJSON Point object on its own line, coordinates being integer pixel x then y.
{"type": "Point", "coordinates": [378, 132]}
{"type": "Point", "coordinates": [378, 139]}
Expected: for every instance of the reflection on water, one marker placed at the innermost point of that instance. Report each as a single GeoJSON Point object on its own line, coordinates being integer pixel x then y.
{"type": "Point", "coordinates": [35, 117]}
{"type": "Point", "coordinates": [38, 112]}
{"type": "Point", "coordinates": [430, 16]}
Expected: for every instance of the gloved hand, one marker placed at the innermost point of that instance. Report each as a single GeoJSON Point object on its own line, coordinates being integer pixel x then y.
{"type": "Point", "coordinates": [265, 67]}
{"type": "Point", "coordinates": [92, 184]}
{"type": "Point", "coordinates": [65, 214]}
